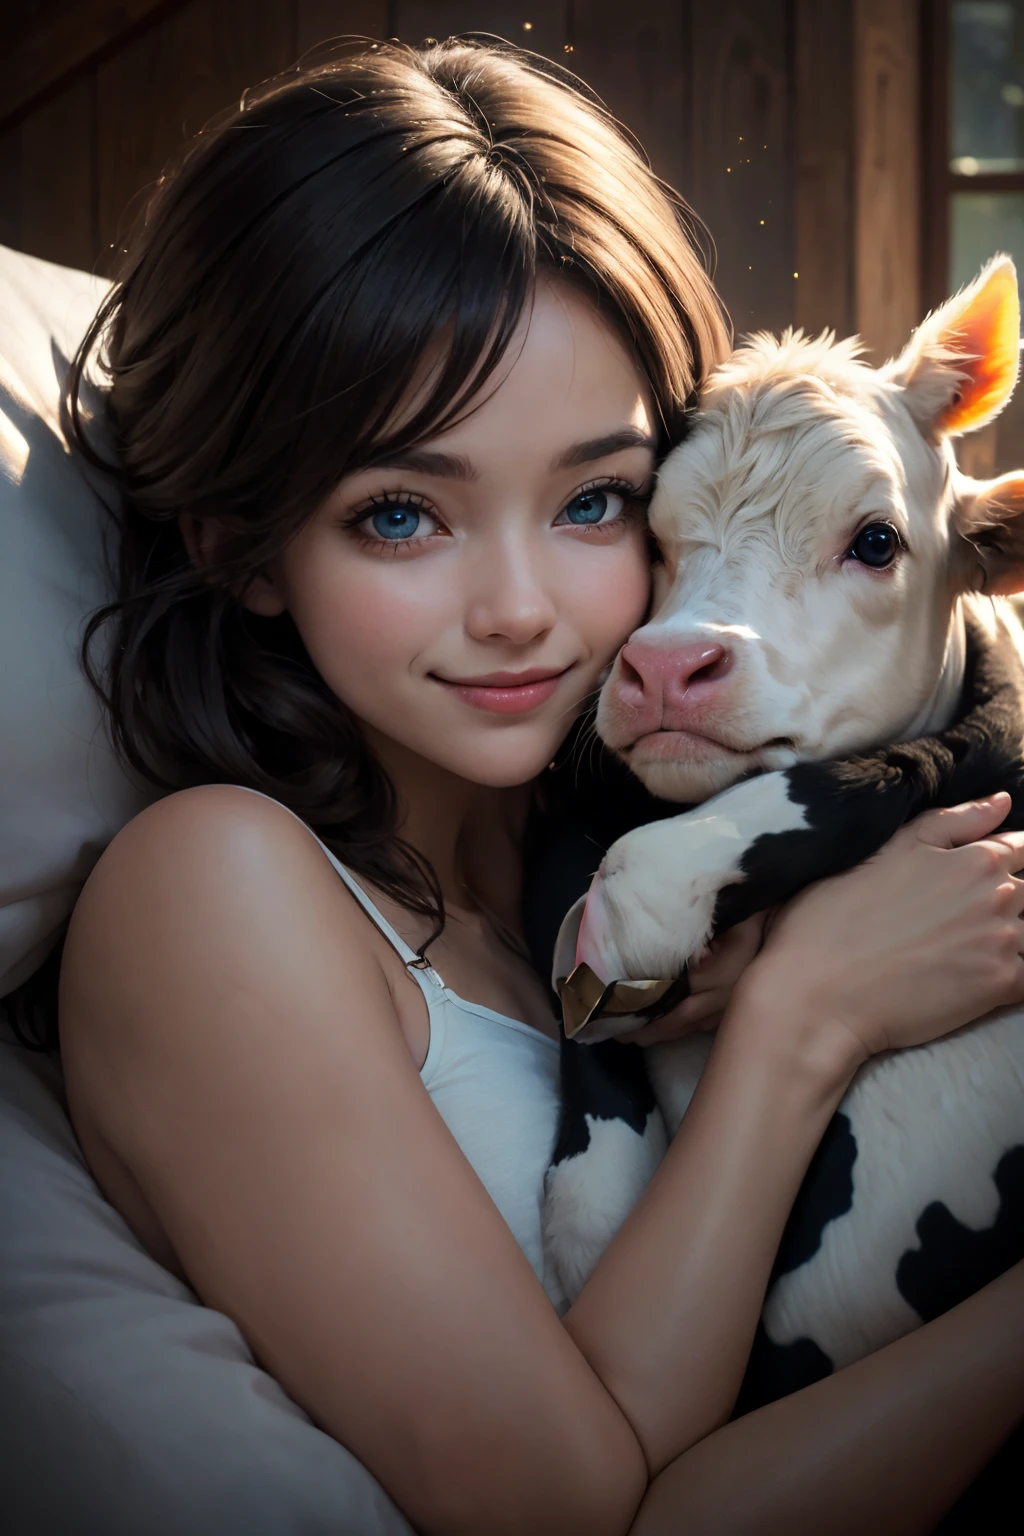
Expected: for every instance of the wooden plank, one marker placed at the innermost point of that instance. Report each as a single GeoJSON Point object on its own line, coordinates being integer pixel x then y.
{"type": "Point", "coordinates": [318, 20]}
{"type": "Point", "coordinates": [935, 72]}
{"type": "Point", "coordinates": [824, 157]}
{"type": "Point", "coordinates": [634, 57]}
{"type": "Point", "coordinates": [742, 181]}
{"type": "Point", "coordinates": [10, 188]}
{"type": "Point", "coordinates": [60, 40]}
{"type": "Point", "coordinates": [58, 177]}
{"type": "Point", "coordinates": [162, 87]}
{"type": "Point", "coordinates": [888, 173]}
{"type": "Point", "coordinates": [535, 24]}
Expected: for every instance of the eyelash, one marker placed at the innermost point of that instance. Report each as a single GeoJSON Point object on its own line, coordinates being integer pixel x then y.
{"type": "Point", "coordinates": [633, 496]}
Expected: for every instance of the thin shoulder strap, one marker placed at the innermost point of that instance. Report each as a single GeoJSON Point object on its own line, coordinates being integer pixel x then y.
{"type": "Point", "coordinates": [408, 954]}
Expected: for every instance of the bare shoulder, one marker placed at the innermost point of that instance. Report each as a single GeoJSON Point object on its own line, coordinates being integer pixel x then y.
{"type": "Point", "coordinates": [214, 832]}
{"type": "Point", "coordinates": [208, 894]}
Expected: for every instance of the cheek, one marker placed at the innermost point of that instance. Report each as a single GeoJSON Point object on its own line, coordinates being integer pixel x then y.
{"type": "Point", "coordinates": [868, 657]}
{"type": "Point", "coordinates": [362, 622]}
{"type": "Point", "coordinates": [607, 598]}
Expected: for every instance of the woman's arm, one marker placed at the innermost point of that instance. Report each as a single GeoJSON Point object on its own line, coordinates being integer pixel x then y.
{"type": "Point", "coordinates": [231, 1031]}
{"type": "Point", "coordinates": [667, 1320]}
{"type": "Point", "coordinates": [884, 1446]}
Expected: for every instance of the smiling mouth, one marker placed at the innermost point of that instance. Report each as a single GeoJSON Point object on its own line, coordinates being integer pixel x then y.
{"type": "Point", "coordinates": [506, 693]}
{"type": "Point", "coordinates": [504, 679]}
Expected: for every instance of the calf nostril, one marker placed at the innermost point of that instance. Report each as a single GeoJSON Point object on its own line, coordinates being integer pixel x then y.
{"type": "Point", "coordinates": [712, 670]}
{"type": "Point", "coordinates": [628, 674]}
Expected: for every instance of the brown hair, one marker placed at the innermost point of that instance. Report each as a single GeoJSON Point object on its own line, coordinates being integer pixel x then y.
{"type": "Point", "coordinates": [278, 293]}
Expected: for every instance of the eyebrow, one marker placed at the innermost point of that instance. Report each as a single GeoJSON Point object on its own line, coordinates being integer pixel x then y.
{"type": "Point", "coordinates": [454, 466]}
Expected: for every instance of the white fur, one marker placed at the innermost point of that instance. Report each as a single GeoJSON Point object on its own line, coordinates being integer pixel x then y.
{"type": "Point", "coordinates": [798, 444]}
{"type": "Point", "coordinates": [588, 1197]}
{"type": "Point", "coordinates": [930, 1125]}
{"type": "Point", "coordinates": [660, 882]}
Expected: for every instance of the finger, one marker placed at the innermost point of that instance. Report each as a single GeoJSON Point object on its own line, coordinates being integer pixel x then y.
{"type": "Point", "coordinates": [1012, 844]}
{"type": "Point", "coordinates": [729, 954]}
{"type": "Point", "coordinates": [955, 825]}
{"type": "Point", "coordinates": [665, 1030]}
{"type": "Point", "coordinates": [693, 1013]}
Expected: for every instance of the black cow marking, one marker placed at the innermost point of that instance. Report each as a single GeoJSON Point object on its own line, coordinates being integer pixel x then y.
{"type": "Point", "coordinates": [607, 1081]}
{"type": "Point", "coordinates": [954, 1261]}
{"type": "Point", "coordinates": [776, 1370]}
{"type": "Point", "coordinates": [853, 807]}
{"type": "Point", "coordinates": [825, 1194]}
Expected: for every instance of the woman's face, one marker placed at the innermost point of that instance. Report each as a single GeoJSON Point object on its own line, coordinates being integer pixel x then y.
{"type": "Point", "coordinates": [464, 598]}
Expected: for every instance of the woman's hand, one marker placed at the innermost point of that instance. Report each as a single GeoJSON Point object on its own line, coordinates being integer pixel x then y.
{"type": "Point", "coordinates": [711, 983]}
{"type": "Point", "coordinates": [917, 941]}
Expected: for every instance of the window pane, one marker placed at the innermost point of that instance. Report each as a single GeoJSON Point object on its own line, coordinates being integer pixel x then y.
{"type": "Point", "coordinates": [983, 223]}
{"type": "Point", "coordinates": [987, 127]}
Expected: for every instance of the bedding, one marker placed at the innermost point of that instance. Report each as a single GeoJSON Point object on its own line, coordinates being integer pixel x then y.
{"type": "Point", "coordinates": [125, 1405]}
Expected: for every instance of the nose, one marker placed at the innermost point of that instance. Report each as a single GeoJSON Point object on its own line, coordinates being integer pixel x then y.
{"type": "Point", "coordinates": [657, 683]}
{"type": "Point", "coordinates": [511, 598]}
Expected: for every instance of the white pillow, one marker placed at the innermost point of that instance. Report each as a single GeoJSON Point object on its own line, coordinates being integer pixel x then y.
{"type": "Point", "coordinates": [62, 793]}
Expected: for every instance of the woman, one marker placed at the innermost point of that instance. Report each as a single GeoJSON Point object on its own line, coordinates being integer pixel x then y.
{"type": "Point", "coordinates": [391, 365]}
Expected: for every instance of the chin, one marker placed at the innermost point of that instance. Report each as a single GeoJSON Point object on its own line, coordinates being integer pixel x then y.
{"type": "Point", "coordinates": [690, 782]}
{"type": "Point", "coordinates": [500, 770]}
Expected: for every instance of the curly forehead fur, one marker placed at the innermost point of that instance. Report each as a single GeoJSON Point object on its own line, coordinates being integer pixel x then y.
{"type": "Point", "coordinates": [790, 429]}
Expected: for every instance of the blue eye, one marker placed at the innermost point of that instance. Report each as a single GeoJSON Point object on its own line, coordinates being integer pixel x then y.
{"type": "Point", "coordinates": [590, 507]}
{"type": "Point", "coordinates": [398, 521]}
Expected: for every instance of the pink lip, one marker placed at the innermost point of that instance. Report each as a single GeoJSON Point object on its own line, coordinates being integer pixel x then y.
{"type": "Point", "coordinates": [506, 693]}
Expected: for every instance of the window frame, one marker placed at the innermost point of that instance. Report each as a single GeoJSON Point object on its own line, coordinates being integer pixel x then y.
{"type": "Point", "coordinates": [940, 181]}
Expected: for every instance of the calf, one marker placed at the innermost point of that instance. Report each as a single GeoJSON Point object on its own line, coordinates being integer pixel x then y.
{"type": "Point", "coordinates": [830, 585]}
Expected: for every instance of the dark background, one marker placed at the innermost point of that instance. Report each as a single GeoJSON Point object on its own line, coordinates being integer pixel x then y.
{"type": "Point", "coordinates": [854, 160]}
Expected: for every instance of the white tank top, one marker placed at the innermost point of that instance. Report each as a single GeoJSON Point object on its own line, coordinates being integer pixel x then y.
{"type": "Point", "coordinates": [495, 1083]}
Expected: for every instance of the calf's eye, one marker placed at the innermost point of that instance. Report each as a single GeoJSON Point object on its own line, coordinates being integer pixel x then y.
{"type": "Point", "coordinates": [876, 545]}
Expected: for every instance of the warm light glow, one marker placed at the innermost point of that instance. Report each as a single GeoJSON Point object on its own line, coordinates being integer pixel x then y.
{"type": "Point", "coordinates": [13, 451]}
{"type": "Point", "coordinates": [986, 331]}
{"type": "Point", "coordinates": [527, 26]}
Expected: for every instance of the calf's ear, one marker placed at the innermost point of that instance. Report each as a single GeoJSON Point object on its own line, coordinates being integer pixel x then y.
{"type": "Point", "coordinates": [960, 366]}
{"type": "Point", "coordinates": [990, 515]}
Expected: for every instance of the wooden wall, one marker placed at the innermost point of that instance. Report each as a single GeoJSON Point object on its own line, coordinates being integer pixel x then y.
{"type": "Point", "coordinates": [790, 125]}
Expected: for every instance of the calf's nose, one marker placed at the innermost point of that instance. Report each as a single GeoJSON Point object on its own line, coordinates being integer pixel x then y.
{"type": "Point", "coordinates": [654, 679]}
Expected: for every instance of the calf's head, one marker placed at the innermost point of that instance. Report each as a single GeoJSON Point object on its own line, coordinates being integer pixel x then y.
{"type": "Point", "coordinates": [816, 538]}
